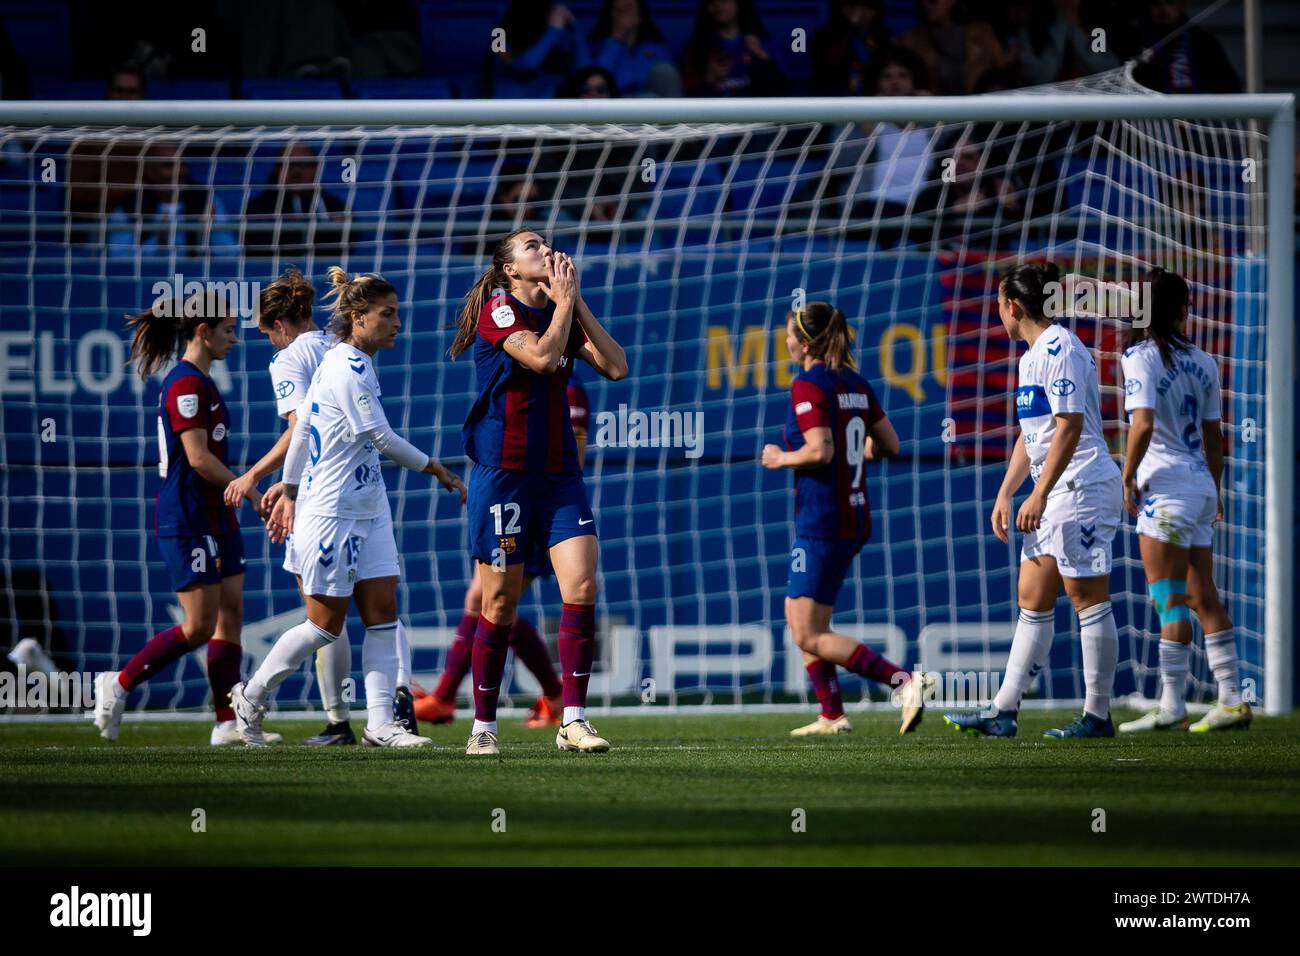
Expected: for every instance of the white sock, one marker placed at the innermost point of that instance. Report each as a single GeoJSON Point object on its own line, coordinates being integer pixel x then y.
{"type": "Point", "coordinates": [403, 657]}
{"type": "Point", "coordinates": [1100, 654]}
{"type": "Point", "coordinates": [333, 667]}
{"type": "Point", "coordinates": [1221, 651]}
{"type": "Point", "coordinates": [379, 663]}
{"type": "Point", "coordinates": [573, 713]}
{"type": "Point", "coordinates": [1174, 658]}
{"type": "Point", "coordinates": [483, 725]}
{"type": "Point", "coordinates": [1029, 647]}
{"type": "Point", "coordinates": [287, 654]}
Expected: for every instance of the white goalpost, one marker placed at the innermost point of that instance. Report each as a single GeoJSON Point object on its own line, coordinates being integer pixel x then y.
{"type": "Point", "coordinates": [696, 224]}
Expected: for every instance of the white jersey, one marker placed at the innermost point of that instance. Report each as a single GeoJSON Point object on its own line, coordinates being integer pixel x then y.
{"type": "Point", "coordinates": [1058, 376]}
{"type": "Point", "coordinates": [1182, 398]}
{"type": "Point", "coordinates": [344, 478]}
{"type": "Point", "coordinates": [293, 366]}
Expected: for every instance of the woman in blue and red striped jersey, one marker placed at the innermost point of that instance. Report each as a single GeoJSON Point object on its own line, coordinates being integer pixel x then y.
{"type": "Point", "coordinates": [198, 533]}
{"type": "Point", "coordinates": [439, 707]}
{"type": "Point", "coordinates": [527, 322]}
{"type": "Point", "coordinates": [836, 425]}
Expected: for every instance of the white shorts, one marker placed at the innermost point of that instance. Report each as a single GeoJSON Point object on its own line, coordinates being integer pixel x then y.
{"type": "Point", "coordinates": [1185, 521]}
{"type": "Point", "coordinates": [290, 558]}
{"type": "Point", "coordinates": [333, 554]}
{"type": "Point", "coordinates": [1078, 528]}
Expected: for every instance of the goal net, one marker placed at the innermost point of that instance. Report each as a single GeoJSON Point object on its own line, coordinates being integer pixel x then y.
{"type": "Point", "coordinates": [693, 240]}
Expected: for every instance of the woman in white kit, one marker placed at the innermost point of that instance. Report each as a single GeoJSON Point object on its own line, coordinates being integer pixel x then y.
{"type": "Point", "coordinates": [1172, 472]}
{"type": "Point", "coordinates": [1068, 520]}
{"type": "Point", "coordinates": [343, 538]}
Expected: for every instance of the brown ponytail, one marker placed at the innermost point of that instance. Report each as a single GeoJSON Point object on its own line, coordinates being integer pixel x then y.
{"type": "Point", "coordinates": [825, 333]}
{"type": "Point", "coordinates": [162, 332]}
{"type": "Point", "coordinates": [493, 278]}
{"type": "Point", "coordinates": [288, 299]}
{"type": "Point", "coordinates": [352, 295]}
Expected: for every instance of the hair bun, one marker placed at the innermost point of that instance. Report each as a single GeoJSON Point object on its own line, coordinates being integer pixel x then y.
{"type": "Point", "coordinates": [337, 277]}
{"type": "Point", "coordinates": [1051, 273]}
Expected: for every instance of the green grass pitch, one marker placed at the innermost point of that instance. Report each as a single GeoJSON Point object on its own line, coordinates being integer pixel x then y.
{"type": "Point", "coordinates": [675, 790]}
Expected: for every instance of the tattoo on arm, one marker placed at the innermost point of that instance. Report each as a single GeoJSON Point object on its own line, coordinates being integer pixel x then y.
{"type": "Point", "coordinates": [518, 339]}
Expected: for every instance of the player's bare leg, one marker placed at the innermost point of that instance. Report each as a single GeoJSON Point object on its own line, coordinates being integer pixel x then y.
{"type": "Point", "coordinates": [1230, 712]}
{"type": "Point", "coordinates": [1166, 569]}
{"type": "Point", "coordinates": [501, 588]}
{"type": "Point", "coordinates": [200, 605]}
{"type": "Point", "coordinates": [810, 623]}
{"type": "Point", "coordinates": [574, 560]}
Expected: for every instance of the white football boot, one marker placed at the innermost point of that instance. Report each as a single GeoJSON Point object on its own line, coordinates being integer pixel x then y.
{"type": "Point", "coordinates": [579, 735]}
{"type": "Point", "coordinates": [1221, 717]}
{"type": "Point", "coordinates": [110, 701]}
{"type": "Point", "coordinates": [910, 698]}
{"type": "Point", "coordinates": [393, 734]}
{"type": "Point", "coordinates": [248, 718]}
{"type": "Point", "coordinates": [225, 733]}
{"type": "Point", "coordinates": [1154, 720]}
{"type": "Point", "coordinates": [824, 726]}
{"type": "Point", "coordinates": [482, 744]}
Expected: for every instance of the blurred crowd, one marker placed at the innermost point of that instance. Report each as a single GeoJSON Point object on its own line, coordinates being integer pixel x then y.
{"type": "Point", "coordinates": [617, 47]}
{"type": "Point", "coordinates": [145, 199]}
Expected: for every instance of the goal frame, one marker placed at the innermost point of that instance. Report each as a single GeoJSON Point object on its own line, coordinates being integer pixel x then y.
{"type": "Point", "coordinates": [1275, 111]}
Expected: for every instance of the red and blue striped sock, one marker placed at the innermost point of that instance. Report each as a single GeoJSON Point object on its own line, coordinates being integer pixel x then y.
{"type": "Point", "coordinates": [224, 660]}
{"type": "Point", "coordinates": [867, 663]}
{"type": "Point", "coordinates": [491, 641]}
{"type": "Point", "coordinates": [529, 649]}
{"type": "Point", "coordinates": [165, 647]}
{"type": "Point", "coordinates": [827, 688]}
{"type": "Point", "coordinates": [459, 656]}
{"type": "Point", "coordinates": [577, 651]}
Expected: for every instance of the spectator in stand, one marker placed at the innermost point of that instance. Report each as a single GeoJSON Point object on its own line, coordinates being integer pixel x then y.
{"type": "Point", "coordinates": [1051, 41]}
{"type": "Point", "coordinates": [169, 212]}
{"type": "Point", "coordinates": [543, 46]}
{"type": "Point", "coordinates": [293, 216]}
{"type": "Point", "coordinates": [627, 43]}
{"type": "Point", "coordinates": [844, 51]}
{"type": "Point", "coordinates": [522, 196]}
{"type": "Point", "coordinates": [599, 181]}
{"type": "Point", "coordinates": [881, 169]}
{"type": "Point", "coordinates": [126, 83]}
{"type": "Point", "coordinates": [1192, 62]}
{"type": "Point", "coordinates": [957, 53]}
{"type": "Point", "coordinates": [726, 56]}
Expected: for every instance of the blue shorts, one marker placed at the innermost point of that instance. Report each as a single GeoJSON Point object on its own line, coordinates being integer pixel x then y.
{"type": "Point", "coordinates": [202, 558]}
{"type": "Point", "coordinates": [516, 517]}
{"type": "Point", "coordinates": [818, 567]}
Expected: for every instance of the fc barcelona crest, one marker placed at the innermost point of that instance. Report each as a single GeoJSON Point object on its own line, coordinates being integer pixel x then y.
{"type": "Point", "coordinates": [507, 545]}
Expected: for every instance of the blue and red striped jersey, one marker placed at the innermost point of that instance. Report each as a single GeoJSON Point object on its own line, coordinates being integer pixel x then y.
{"type": "Point", "coordinates": [520, 419]}
{"type": "Point", "coordinates": [187, 503]}
{"type": "Point", "coordinates": [831, 499]}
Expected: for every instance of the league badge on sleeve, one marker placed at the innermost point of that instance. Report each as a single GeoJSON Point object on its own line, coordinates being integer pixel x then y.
{"type": "Point", "coordinates": [188, 405]}
{"type": "Point", "coordinates": [503, 316]}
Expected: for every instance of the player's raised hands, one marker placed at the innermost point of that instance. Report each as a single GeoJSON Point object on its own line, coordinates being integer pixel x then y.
{"type": "Point", "coordinates": [561, 285]}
